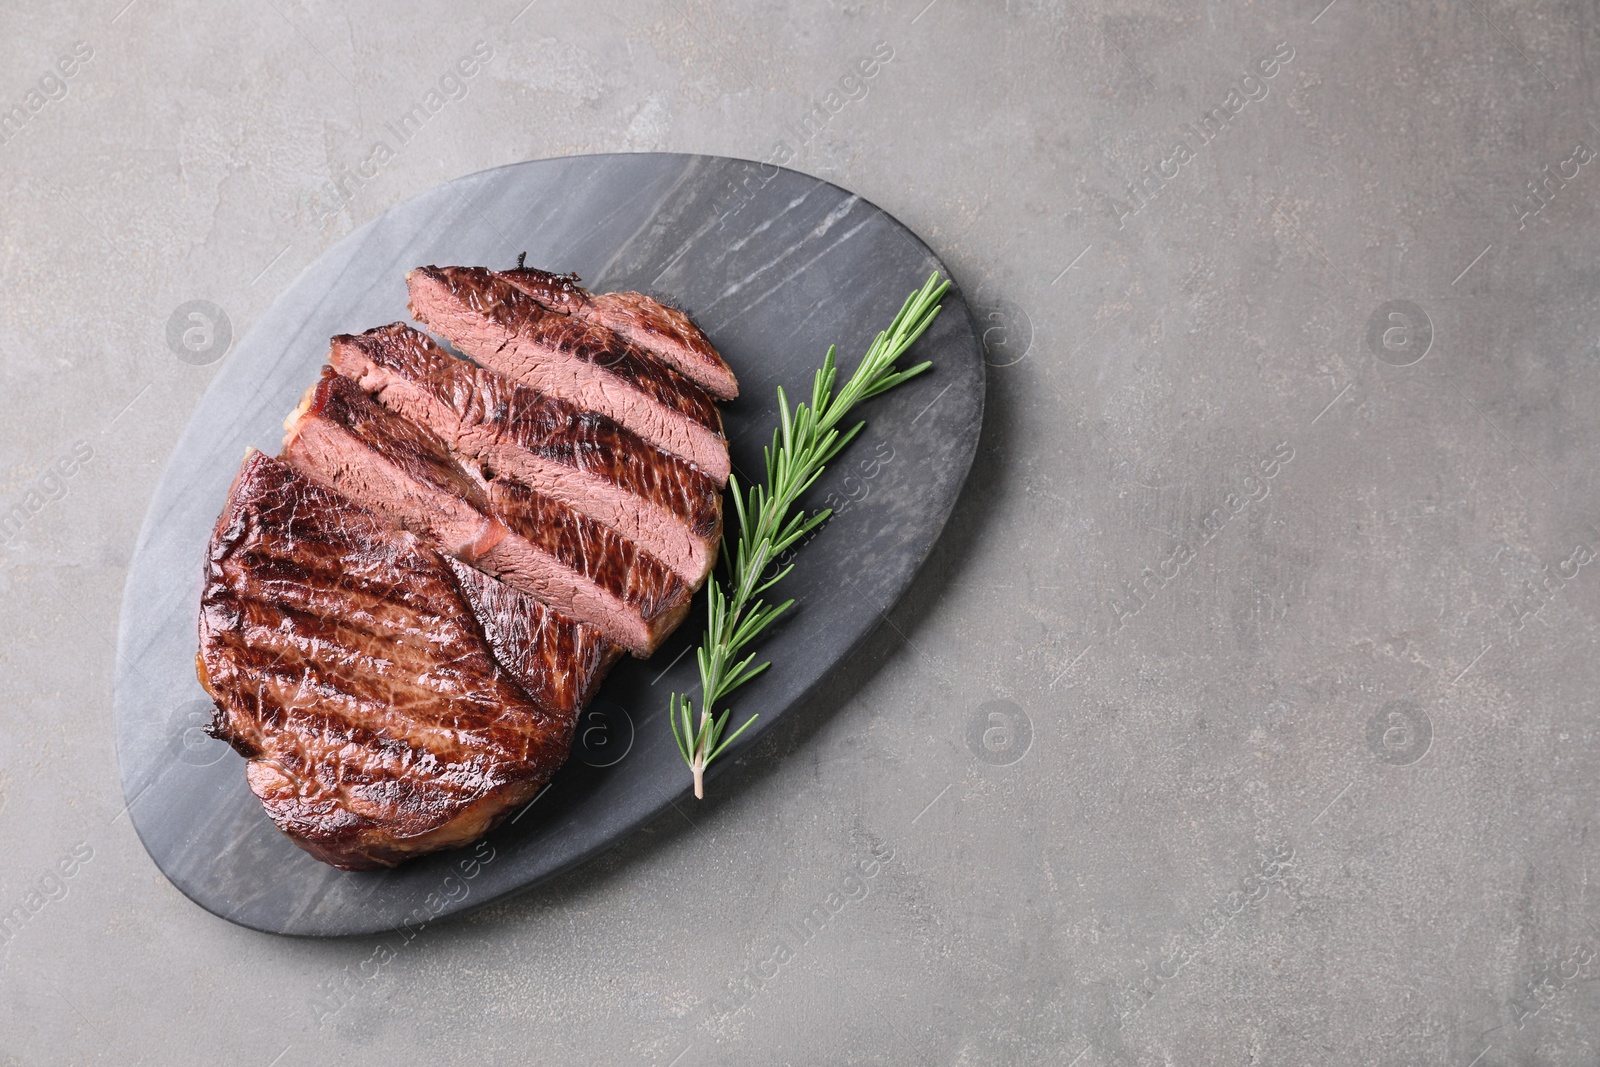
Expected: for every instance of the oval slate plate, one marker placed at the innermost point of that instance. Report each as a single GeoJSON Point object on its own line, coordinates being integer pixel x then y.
{"type": "Point", "coordinates": [774, 265]}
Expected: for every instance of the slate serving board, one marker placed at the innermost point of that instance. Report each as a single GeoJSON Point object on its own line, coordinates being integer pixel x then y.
{"type": "Point", "coordinates": [774, 265]}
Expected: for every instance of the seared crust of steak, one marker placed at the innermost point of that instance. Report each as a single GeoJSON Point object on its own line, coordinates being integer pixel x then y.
{"type": "Point", "coordinates": [390, 702]}
{"type": "Point", "coordinates": [667, 506]}
{"type": "Point", "coordinates": [404, 614]}
{"type": "Point", "coordinates": [500, 326]}
{"type": "Point", "coordinates": [658, 328]}
{"type": "Point", "coordinates": [384, 462]}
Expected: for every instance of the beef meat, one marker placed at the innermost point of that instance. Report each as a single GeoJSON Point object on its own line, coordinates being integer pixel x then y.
{"type": "Point", "coordinates": [339, 436]}
{"type": "Point", "coordinates": [390, 701]}
{"type": "Point", "coordinates": [667, 506]}
{"type": "Point", "coordinates": [658, 328]}
{"type": "Point", "coordinates": [392, 467]}
{"type": "Point", "coordinates": [500, 326]}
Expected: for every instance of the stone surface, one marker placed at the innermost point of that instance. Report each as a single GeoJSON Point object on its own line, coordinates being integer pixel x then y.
{"type": "Point", "coordinates": [1384, 662]}
{"type": "Point", "coordinates": [739, 246]}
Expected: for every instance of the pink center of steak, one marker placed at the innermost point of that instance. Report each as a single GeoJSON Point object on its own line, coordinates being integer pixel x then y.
{"type": "Point", "coordinates": [583, 459]}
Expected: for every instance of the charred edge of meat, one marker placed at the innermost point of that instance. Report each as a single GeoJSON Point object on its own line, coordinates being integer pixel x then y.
{"type": "Point", "coordinates": [557, 292]}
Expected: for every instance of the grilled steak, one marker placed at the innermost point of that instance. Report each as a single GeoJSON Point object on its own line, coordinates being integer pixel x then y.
{"type": "Point", "coordinates": [403, 616]}
{"type": "Point", "coordinates": [585, 460]}
{"type": "Point", "coordinates": [405, 473]}
{"type": "Point", "coordinates": [508, 331]}
{"type": "Point", "coordinates": [663, 331]}
{"type": "Point", "coordinates": [390, 701]}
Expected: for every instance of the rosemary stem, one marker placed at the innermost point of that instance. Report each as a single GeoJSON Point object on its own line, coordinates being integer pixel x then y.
{"type": "Point", "coordinates": [806, 440]}
{"type": "Point", "coordinates": [699, 764]}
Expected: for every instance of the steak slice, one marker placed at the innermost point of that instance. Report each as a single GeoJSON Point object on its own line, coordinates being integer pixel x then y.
{"type": "Point", "coordinates": [500, 326]}
{"type": "Point", "coordinates": [662, 330]}
{"type": "Point", "coordinates": [339, 436]}
{"type": "Point", "coordinates": [585, 460]}
{"type": "Point", "coordinates": [390, 701]}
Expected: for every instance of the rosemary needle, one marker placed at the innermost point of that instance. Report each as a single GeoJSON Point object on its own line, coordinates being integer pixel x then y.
{"type": "Point", "coordinates": [806, 439]}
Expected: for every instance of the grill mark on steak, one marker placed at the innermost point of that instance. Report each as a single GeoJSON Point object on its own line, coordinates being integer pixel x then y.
{"type": "Point", "coordinates": [660, 329]}
{"type": "Point", "coordinates": [365, 690]}
{"type": "Point", "coordinates": [390, 701]}
{"type": "Point", "coordinates": [341, 437]}
{"type": "Point", "coordinates": [584, 459]}
{"type": "Point", "coordinates": [508, 331]}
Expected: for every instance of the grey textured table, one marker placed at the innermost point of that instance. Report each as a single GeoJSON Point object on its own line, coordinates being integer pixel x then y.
{"type": "Point", "coordinates": [1243, 714]}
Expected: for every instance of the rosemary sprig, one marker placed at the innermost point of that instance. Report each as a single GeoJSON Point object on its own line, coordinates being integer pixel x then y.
{"type": "Point", "coordinates": [806, 439]}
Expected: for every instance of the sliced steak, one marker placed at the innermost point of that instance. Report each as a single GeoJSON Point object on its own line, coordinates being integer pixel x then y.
{"type": "Point", "coordinates": [662, 330]}
{"type": "Point", "coordinates": [390, 701]}
{"type": "Point", "coordinates": [506, 330]}
{"type": "Point", "coordinates": [342, 438]}
{"type": "Point", "coordinates": [669, 507]}
{"type": "Point", "coordinates": [338, 437]}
